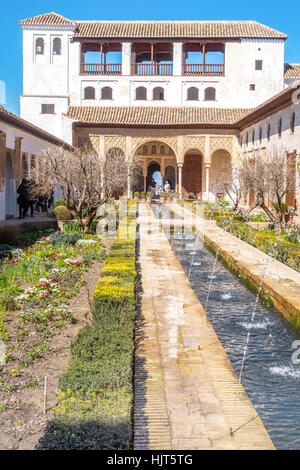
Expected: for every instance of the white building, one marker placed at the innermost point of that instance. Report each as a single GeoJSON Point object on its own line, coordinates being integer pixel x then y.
{"type": "Point", "coordinates": [178, 93]}
{"type": "Point", "coordinates": [224, 64]}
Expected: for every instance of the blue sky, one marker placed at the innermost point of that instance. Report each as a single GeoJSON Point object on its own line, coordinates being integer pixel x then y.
{"type": "Point", "coordinates": [281, 16]}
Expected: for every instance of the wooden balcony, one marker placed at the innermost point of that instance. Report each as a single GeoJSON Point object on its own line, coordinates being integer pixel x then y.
{"type": "Point", "coordinates": [152, 69]}
{"type": "Point", "coordinates": [101, 69]}
{"type": "Point", "coordinates": [209, 70]}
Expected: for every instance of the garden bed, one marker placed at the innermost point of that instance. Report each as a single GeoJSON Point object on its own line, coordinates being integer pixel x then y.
{"type": "Point", "coordinates": [43, 299]}
{"type": "Point", "coordinates": [95, 400]}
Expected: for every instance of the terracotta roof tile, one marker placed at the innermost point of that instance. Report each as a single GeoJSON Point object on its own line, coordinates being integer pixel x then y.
{"type": "Point", "coordinates": [51, 18]}
{"type": "Point", "coordinates": [150, 116]}
{"type": "Point", "coordinates": [159, 29]}
{"type": "Point", "coordinates": [175, 29]}
{"type": "Point", "coordinates": [292, 71]}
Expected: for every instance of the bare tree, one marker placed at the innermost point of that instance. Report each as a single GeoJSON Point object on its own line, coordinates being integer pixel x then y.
{"type": "Point", "coordinates": [233, 186]}
{"type": "Point", "coordinates": [269, 177]}
{"type": "Point", "coordinates": [87, 180]}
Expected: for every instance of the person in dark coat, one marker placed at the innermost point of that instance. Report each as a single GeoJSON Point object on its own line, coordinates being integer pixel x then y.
{"type": "Point", "coordinates": [23, 199]}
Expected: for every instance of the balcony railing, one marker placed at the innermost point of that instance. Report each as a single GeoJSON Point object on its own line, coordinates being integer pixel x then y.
{"type": "Point", "coordinates": [152, 69]}
{"type": "Point", "coordinates": [203, 69]}
{"type": "Point", "coordinates": [101, 69]}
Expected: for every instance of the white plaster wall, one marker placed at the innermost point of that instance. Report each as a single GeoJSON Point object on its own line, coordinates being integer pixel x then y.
{"type": "Point", "coordinates": [57, 79]}
{"type": "Point", "coordinates": [31, 145]}
{"type": "Point", "coordinates": [289, 141]}
{"type": "Point", "coordinates": [31, 107]}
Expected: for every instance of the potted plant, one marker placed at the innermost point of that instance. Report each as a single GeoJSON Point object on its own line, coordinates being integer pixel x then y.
{"type": "Point", "coordinates": [137, 196]}
{"type": "Point", "coordinates": [162, 197]}
{"type": "Point", "coordinates": [63, 215]}
{"type": "Point", "coordinates": [149, 197]}
{"type": "Point", "coordinates": [143, 195]}
{"type": "Point", "coordinates": [168, 196]}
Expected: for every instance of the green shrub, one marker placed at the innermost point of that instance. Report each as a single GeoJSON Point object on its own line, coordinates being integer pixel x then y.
{"type": "Point", "coordinates": [62, 213]}
{"type": "Point", "coordinates": [62, 238]}
{"type": "Point", "coordinates": [59, 202]}
{"type": "Point", "coordinates": [284, 251]}
{"type": "Point", "coordinates": [8, 235]}
{"type": "Point", "coordinates": [283, 207]}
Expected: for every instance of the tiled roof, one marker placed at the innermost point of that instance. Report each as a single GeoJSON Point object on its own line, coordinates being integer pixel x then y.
{"type": "Point", "coordinates": [292, 71]}
{"type": "Point", "coordinates": [26, 126]}
{"type": "Point", "coordinates": [153, 116]}
{"type": "Point", "coordinates": [159, 29]}
{"type": "Point", "coordinates": [175, 29]}
{"type": "Point", "coordinates": [51, 18]}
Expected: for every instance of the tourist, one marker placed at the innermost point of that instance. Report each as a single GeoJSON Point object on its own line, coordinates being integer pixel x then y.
{"type": "Point", "coordinates": [23, 199]}
{"type": "Point", "coordinates": [167, 187]}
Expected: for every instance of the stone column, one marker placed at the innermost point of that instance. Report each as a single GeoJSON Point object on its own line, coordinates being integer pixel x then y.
{"type": "Point", "coordinates": [129, 195]}
{"type": "Point", "coordinates": [180, 180]}
{"type": "Point", "coordinates": [17, 162]}
{"type": "Point", "coordinates": [126, 58]}
{"type": "Point", "coordinates": [177, 58]}
{"type": "Point", "coordinates": [207, 167]}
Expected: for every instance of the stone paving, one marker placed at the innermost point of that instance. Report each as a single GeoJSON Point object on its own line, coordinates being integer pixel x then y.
{"type": "Point", "coordinates": [185, 386]}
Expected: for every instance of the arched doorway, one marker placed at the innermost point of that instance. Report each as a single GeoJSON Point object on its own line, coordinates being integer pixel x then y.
{"type": "Point", "coordinates": [192, 172]}
{"type": "Point", "coordinates": [153, 173]}
{"type": "Point", "coordinates": [9, 188]}
{"type": "Point", "coordinates": [220, 173]}
{"type": "Point", "coordinates": [170, 176]}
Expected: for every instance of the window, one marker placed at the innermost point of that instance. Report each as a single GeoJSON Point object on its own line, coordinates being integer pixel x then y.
{"type": "Point", "coordinates": [39, 46]}
{"type": "Point", "coordinates": [106, 93]}
{"type": "Point", "coordinates": [293, 116]}
{"type": "Point", "coordinates": [252, 87]}
{"type": "Point", "coordinates": [89, 93]}
{"type": "Point", "coordinates": [279, 127]}
{"type": "Point", "coordinates": [56, 46]}
{"type": "Point", "coordinates": [145, 149]}
{"type": "Point", "coordinates": [153, 149]}
{"type": "Point", "coordinates": [47, 109]}
{"type": "Point", "coordinates": [141, 93]}
{"type": "Point", "coordinates": [210, 94]}
{"type": "Point", "coordinates": [193, 94]}
{"type": "Point", "coordinates": [162, 150]}
{"type": "Point", "coordinates": [158, 93]}
{"type": "Point", "coordinates": [258, 65]}
{"type": "Point", "coordinates": [268, 131]}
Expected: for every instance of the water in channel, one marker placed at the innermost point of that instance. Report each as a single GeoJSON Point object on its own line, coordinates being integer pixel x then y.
{"type": "Point", "coordinates": [269, 376]}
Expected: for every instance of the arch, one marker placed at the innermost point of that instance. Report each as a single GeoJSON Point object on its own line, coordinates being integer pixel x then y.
{"type": "Point", "coordinates": [192, 171]}
{"type": "Point", "coordinates": [39, 46]}
{"type": "Point", "coordinates": [220, 171]}
{"type": "Point", "coordinates": [89, 93]}
{"type": "Point", "coordinates": [139, 147]}
{"type": "Point", "coordinates": [56, 46]}
{"type": "Point", "coordinates": [141, 93]}
{"type": "Point", "coordinates": [170, 175]}
{"type": "Point", "coordinates": [153, 171]}
{"type": "Point", "coordinates": [192, 94]}
{"type": "Point", "coordinates": [106, 93]}
{"type": "Point", "coordinates": [158, 94]}
{"type": "Point", "coordinates": [9, 187]}
{"type": "Point", "coordinates": [210, 94]}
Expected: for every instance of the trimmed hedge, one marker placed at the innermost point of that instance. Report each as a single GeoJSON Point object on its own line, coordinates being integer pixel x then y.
{"type": "Point", "coordinates": [95, 402]}
{"type": "Point", "coordinates": [284, 251]}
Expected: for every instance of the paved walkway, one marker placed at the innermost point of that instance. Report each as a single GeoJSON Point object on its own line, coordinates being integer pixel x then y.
{"type": "Point", "coordinates": [185, 386]}
{"type": "Point", "coordinates": [280, 281]}
{"type": "Point", "coordinates": [37, 219]}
